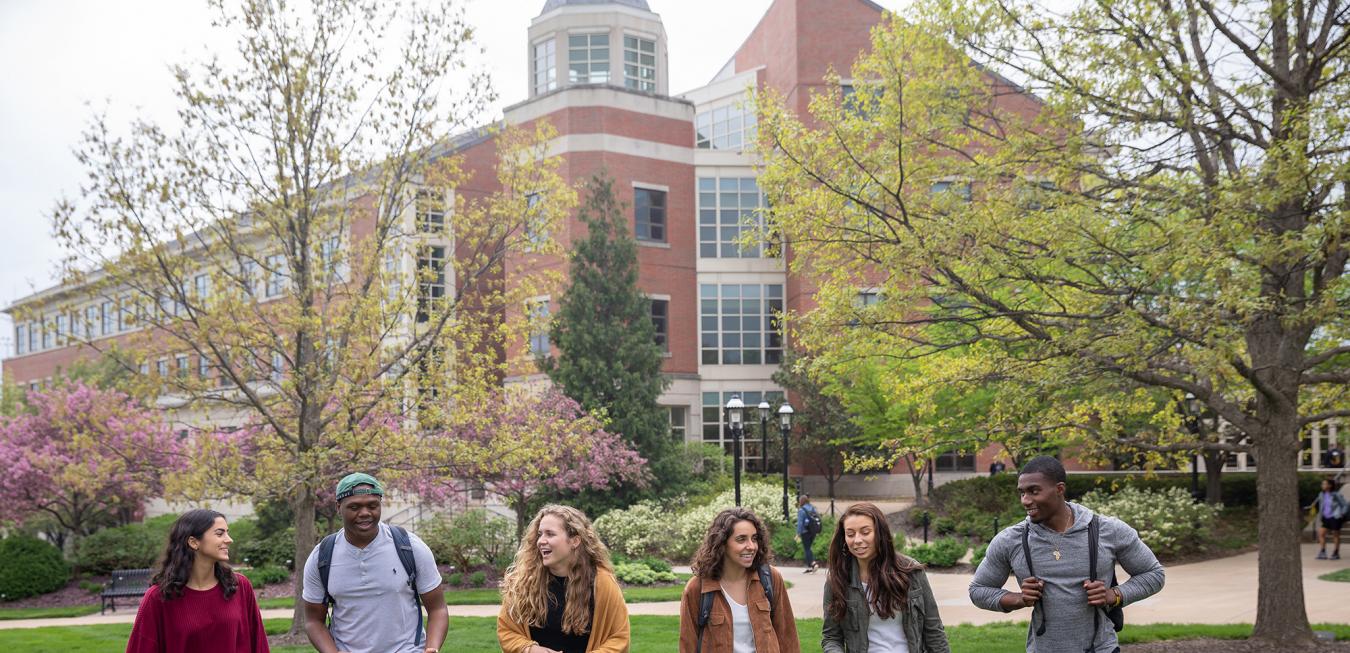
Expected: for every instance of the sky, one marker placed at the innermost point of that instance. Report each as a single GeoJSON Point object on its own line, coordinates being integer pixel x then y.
{"type": "Point", "coordinates": [62, 61]}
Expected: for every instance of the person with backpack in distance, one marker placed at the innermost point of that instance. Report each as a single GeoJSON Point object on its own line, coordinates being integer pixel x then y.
{"type": "Point", "coordinates": [736, 602]}
{"type": "Point", "coordinates": [560, 594]}
{"type": "Point", "coordinates": [1331, 508]}
{"type": "Point", "coordinates": [808, 527]}
{"type": "Point", "coordinates": [876, 599]}
{"type": "Point", "coordinates": [196, 603]}
{"type": "Point", "coordinates": [375, 578]}
{"type": "Point", "coordinates": [1064, 558]}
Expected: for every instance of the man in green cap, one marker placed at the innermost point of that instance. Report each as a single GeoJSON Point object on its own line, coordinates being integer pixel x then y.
{"type": "Point", "coordinates": [376, 577]}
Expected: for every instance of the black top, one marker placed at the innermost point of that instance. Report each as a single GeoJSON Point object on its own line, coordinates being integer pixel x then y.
{"type": "Point", "coordinates": [552, 635]}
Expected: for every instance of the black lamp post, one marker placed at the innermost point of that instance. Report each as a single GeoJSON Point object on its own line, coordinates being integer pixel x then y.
{"type": "Point", "coordinates": [764, 438]}
{"type": "Point", "coordinates": [785, 427]}
{"type": "Point", "coordinates": [735, 411]}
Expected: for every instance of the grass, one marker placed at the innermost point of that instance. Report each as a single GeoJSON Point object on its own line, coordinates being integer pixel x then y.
{"type": "Point", "coordinates": [1341, 576]}
{"type": "Point", "coordinates": [492, 596]}
{"type": "Point", "coordinates": [7, 614]}
{"type": "Point", "coordinates": [650, 635]}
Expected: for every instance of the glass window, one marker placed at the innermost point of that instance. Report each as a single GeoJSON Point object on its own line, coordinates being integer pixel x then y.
{"type": "Point", "coordinates": [45, 325]}
{"type": "Point", "coordinates": [715, 429]}
{"type": "Point", "coordinates": [739, 324]}
{"type": "Point", "coordinates": [430, 213]}
{"type": "Point", "coordinates": [180, 364]}
{"type": "Point", "coordinates": [277, 366]}
{"type": "Point", "coordinates": [661, 320]}
{"type": "Point", "coordinates": [33, 336]}
{"type": "Point", "coordinates": [588, 58]}
{"type": "Point", "coordinates": [535, 233]}
{"type": "Point", "coordinates": [729, 208]}
{"type": "Point", "coordinates": [393, 281]}
{"type": "Point", "coordinates": [21, 339]}
{"type": "Point", "coordinates": [276, 275]}
{"type": "Point", "coordinates": [60, 329]}
{"type": "Point", "coordinates": [545, 67]}
{"type": "Point", "coordinates": [162, 367]}
{"type": "Point", "coordinates": [725, 128]}
{"type": "Point", "coordinates": [639, 64]}
{"type": "Point", "coordinates": [107, 314]}
{"type": "Point", "coordinates": [203, 367]}
{"type": "Point", "coordinates": [961, 189]}
{"type": "Point", "coordinates": [538, 316]}
{"type": "Point", "coordinates": [430, 279]}
{"type": "Point", "coordinates": [678, 422]}
{"type": "Point", "coordinates": [954, 461]}
{"type": "Point", "coordinates": [649, 207]}
{"type": "Point", "coordinates": [330, 256]}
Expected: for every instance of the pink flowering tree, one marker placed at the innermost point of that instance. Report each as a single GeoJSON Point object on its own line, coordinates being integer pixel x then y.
{"type": "Point", "coordinates": [524, 446]}
{"type": "Point", "coordinates": [83, 457]}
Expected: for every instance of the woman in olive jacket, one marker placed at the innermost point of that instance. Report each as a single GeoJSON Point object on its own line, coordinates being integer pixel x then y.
{"type": "Point", "coordinates": [887, 604]}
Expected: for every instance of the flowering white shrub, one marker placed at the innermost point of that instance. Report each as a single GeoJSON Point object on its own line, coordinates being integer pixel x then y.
{"type": "Point", "coordinates": [648, 527]}
{"type": "Point", "coordinates": [1168, 521]}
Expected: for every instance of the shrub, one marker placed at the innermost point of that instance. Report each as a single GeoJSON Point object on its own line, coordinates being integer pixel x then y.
{"type": "Point", "coordinates": [134, 546]}
{"type": "Point", "coordinates": [471, 538]}
{"type": "Point", "coordinates": [763, 499]}
{"type": "Point", "coordinates": [657, 564]}
{"type": "Point", "coordinates": [638, 530]}
{"type": "Point", "coordinates": [978, 556]}
{"type": "Point", "coordinates": [29, 567]}
{"type": "Point", "coordinates": [477, 579]}
{"type": "Point", "coordinates": [455, 579]}
{"type": "Point", "coordinates": [1168, 520]}
{"type": "Point", "coordinates": [275, 550]}
{"type": "Point", "coordinates": [637, 573]}
{"type": "Point", "coordinates": [783, 542]}
{"type": "Point", "coordinates": [898, 539]}
{"type": "Point", "coordinates": [820, 548]}
{"type": "Point", "coordinates": [945, 552]}
{"type": "Point", "coordinates": [261, 576]}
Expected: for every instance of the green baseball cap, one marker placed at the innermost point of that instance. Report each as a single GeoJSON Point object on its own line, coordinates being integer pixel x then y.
{"type": "Point", "coordinates": [349, 485]}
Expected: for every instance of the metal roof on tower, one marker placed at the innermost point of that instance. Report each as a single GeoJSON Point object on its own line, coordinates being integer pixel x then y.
{"type": "Point", "coordinates": [555, 4]}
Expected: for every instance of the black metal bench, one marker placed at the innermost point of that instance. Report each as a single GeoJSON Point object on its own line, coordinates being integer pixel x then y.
{"type": "Point", "coordinates": [125, 583]}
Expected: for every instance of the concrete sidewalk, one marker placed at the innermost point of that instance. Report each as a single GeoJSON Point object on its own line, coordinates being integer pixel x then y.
{"type": "Point", "coordinates": [1211, 592]}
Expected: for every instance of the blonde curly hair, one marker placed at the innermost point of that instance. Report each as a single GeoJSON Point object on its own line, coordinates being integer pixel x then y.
{"type": "Point", "coordinates": [525, 587]}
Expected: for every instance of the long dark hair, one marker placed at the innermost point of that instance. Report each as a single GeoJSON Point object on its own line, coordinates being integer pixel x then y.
{"type": "Point", "coordinates": [175, 564]}
{"type": "Point", "coordinates": [888, 572]}
{"type": "Point", "coordinates": [707, 562]}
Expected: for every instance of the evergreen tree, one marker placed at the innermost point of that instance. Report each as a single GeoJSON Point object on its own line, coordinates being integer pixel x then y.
{"type": "Point", "coordinates": [609, 360]}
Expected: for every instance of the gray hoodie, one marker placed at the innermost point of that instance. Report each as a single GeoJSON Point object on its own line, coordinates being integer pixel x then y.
{"type": "Point", "coordinates": [1064, 601]}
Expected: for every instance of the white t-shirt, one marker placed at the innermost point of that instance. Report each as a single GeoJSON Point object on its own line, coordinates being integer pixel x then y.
{"type": "Point", "coordinates": [884, 635]}
{"type": "Point", "coordinates": [744, 635]}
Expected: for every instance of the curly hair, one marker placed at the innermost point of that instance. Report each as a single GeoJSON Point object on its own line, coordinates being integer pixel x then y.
{"type": "Point", "coordinates": [707, 562]}
{"type": "Point", "coordinates": [175, 564]}
{"type": "Point", "coordinates": [889, 571]}
{"type": "Point", "coordinates": [525, 586]}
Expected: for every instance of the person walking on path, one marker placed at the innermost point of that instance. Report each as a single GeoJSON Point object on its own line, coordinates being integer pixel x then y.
{"type": "Point", "coordinates": [736, 602]}
{"type": "Point", "coordinates": [1055, 535]}
{"type": "Point", "coordinates": [876, 599]}
{"type": "Point", "coordinates": [808, 527]}
{"type": "Point", "coordinates": [196, 603]}
{"type": "Point", "coordinates": [376, 577]}
{"type": "Point", "coordinates": [560, 594]}
{"type": "Point", "coordinates": [1331, 508]}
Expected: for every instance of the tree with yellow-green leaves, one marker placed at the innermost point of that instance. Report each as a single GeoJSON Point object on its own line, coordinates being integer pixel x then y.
{"type": "Point", "coordinates": [1159, 202]}
{"type": "Point", "coordinates": [304, 257]}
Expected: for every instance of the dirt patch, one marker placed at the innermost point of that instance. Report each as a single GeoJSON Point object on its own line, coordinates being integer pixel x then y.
{"type": "Point", "coordinates": [70, 595]}
{"type": "Point", "coordinates": [1230, 646]}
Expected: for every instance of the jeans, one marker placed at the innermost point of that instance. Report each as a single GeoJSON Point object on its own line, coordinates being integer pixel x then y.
{"type": "Point", "coordinates": [809, 557]}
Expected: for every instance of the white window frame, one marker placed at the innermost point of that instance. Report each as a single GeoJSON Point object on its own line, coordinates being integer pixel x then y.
{"type": "Point", "coordinates": [665, 213]}
{"type": "Point", "coordinates": [544, 65]}
{"type": "Point", "coordinates": [598, 71]}
{"type": "Point", "coordinates": [638, 82]}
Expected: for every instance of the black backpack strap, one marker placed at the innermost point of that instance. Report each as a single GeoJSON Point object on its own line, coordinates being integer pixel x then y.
{"type": "Point", "coordinates": [1031, 571]}
{"type": "Point", "coordinates": [1092, 577]}
{"type": "Point", "coordinates": [325, 565]}
{"type": "Point", "coordinates": [705, 603]}
{"type": "Point", "coordinates": [766, 579]}
{"type": "Point", "coordinates": [405, 555]}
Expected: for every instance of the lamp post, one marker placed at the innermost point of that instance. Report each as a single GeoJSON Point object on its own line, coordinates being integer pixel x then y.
{"type": "Point", "coordinates": [735, 411]}
{"type": "Point", "coordinates": [785, 427]}
{"type": "Point", "coordinates": [764, 438]}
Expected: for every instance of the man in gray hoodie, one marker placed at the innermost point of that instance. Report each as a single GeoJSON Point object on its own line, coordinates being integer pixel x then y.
{"type": "Point", "coordinates": [1062, 598]}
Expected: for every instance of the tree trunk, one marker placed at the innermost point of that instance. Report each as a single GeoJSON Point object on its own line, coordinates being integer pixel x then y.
{"type": "Point", "coordinates": [302, 505]}
{"type": "Point", "coordinates": [830, 480]}
{"type": "Point", "coordinates": [1213, 477]}
{"type": "Point", "coordinates": [1281, 618]}
{"type": "Point", "coordinates": [916, 475]}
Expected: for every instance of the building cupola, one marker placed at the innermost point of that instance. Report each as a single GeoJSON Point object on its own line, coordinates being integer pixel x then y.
{"type": "Point", "coordinates": [618, 43]}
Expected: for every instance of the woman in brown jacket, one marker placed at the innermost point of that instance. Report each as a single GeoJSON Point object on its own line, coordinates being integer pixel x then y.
{"type": "Point", "coordinates": [730, 570]}
{"type": "Point", "coordinates": [560, 596]}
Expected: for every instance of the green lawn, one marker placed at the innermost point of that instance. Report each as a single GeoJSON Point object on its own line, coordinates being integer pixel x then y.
{"type": "Point", "coordinates": [650, 635]}
{"type": "Point", "coordinates": [49, 613]}
{"type": "Point", "coordinates": [1341, 576]}
{"type": "Point", "coordinates": [492, 596]}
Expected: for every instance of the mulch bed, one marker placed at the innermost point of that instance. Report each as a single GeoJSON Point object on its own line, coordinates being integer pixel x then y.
{"type": "Point", "coordinates": [70, 595]}
{"type": "Point", "coordinates": [1229, 646]}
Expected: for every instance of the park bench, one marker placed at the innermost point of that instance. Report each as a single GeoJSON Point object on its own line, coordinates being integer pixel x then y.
{"type": "Point", "coordinates": [124, 583]}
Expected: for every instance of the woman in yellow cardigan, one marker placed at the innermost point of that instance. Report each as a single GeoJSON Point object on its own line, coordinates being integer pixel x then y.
{"type": "Point", "coordinates": [560, 596]}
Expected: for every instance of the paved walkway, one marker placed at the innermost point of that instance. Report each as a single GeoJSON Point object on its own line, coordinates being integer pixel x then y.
{"type": "Point", "coordinates": [1212, 592]}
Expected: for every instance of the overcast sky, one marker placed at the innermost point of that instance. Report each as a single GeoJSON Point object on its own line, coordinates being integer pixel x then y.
{"type": "Point", "coordinates": [62, 60]}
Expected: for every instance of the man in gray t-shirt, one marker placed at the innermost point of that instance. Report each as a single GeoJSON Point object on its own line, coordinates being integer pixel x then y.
{"type": "Point", "coordinates": [373, 606]}
{"type": "Point", "coordinates": [1063, 599]}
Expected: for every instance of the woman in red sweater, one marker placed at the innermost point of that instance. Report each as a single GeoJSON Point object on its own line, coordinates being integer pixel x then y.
{"type": "Point", "coordinates": [196, 603]}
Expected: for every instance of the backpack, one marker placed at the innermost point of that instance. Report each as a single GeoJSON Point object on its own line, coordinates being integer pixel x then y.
{"type": "Point", "coordinates": [812, 525]}
{"type": "Point", "coordinates": [405, 555]}
{"type": "Point", "coordinates": [706, 602]}
{"type": "Point", "coordinates": [1115, 613]}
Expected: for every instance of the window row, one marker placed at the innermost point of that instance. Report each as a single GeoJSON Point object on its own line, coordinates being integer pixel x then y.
{"type": "Point", "coordinates": [739, 324]}
{"type": "Point", "coordinates": [588, 62]}
{"type": "Point", "coordinates": [730, 127]}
